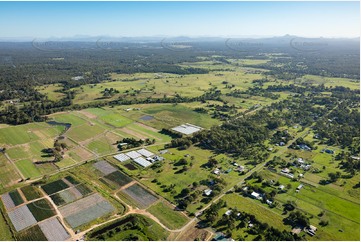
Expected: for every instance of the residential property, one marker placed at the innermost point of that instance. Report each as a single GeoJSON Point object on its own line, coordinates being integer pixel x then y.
{"type": "Point", "coordinates": [207, 192]}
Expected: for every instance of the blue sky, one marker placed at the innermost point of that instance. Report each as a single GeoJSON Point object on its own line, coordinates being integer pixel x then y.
{"type": "Point", "coordinates": [66, 19]}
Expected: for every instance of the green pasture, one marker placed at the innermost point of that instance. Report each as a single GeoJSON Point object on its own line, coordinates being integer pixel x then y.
{"type": "Point", "coordinates": [27, 168]}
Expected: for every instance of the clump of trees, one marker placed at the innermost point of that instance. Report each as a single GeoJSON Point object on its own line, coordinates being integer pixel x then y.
{"type": "Point", "coordinates": [128, 143]}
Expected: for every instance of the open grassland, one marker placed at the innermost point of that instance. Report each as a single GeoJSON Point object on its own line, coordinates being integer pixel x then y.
{"type": "Point", "coordinates": [5, 234]}
{"type": "Point", "coordinates": [8, 174]}
{"type": "Point", "coordinates": [28, 169]}
{"type": "Point", "coordinates": [168, 216]}
{"type": "Point", "coordinates": [50, 91]}
{"type": "Point", "coordinates": [330, 81]}
{"type": "Point", "coordinates": [254, 207]}
{"type": "Point", "coordinates": [132, 227]}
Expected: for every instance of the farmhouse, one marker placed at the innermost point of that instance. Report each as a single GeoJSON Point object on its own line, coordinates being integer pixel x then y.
{"type": "Point", "coordinates": [187, 129]}
{"type": "Point", "coordinates": [207, 192]}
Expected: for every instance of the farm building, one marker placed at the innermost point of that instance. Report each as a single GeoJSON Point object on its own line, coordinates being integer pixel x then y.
{"type": "Point", "coordinates": [281, 187]}
{"type": "Point", "coordinates": [300, 187]}
{"type": "Point", "coordinates": [145, 152]}
{"type": "Point", "coordinates": [121, 157]}
{"type": "Point", "coordinates": [256, 195]}
{"type": "Point", "coordinates": [187, 129]}
{"type": "Point", "coordinates": [133, 154]}
{"type": "Point", "coordinates": [143, 162]}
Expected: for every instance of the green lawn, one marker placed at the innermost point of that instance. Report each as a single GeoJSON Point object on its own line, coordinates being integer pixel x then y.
{"type": "Point", "coordinates": [167, 216]}
{"type": "Point", "coordinates": [27, 168]}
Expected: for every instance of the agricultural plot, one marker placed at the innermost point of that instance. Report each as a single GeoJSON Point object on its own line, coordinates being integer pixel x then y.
{"type": "Point", "coordinates": [168, 216]}
{"type": "Point", "coordinates": [86, 210]}
{"type": "Point", "coordinates": [28, 168]}
{"type": "Point", "coordinates": [66, 196]}
{"type": "Point", "coordinates": [41, 209]}
{"type": "Point", "coordinates": [104, 167]}
{"type": "Point", "coordinates": [8, 174]}
{"type": "Point", "coordinates": [31, 192]}
{"type": "Point", "coordinates": [83, 189]}
{"type": "Point", "coordinates": [15, 135]}
{"type": "Point", "coordinates": [102, 145]}
{"type": "Point", "coordinates": [31, 234]}
{"type": "Point", "coordinates": [21, 218]}
{"type": "Point", "coordinates": [7, 201]}
{"type": "Point", "coordinates": [68, 118]}
{"type": "Point", "coordinates": [118, 179]}
{"type": "Point", "coordinates": [54, 187]}
{"type": "Point", "coordinates": [15, 196]}
{"type": "Point", "coordinates": [139, 196]}
{"type": "Point", "coordinates": [84, 132]}
{"type": "Point", "coordinates": [54, 230]}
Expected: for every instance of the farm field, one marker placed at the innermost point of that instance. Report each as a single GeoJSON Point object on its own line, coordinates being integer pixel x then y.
{"type": "Point", "coordinates": [86, 210]}
{"type": "Point", "coordinates": [143, 229]}
{"type": "Point", "coordinates": [8, 174]}
{"type": "Point", "coordinates": [31, 192]}
{"type": "Point", "coordinates": [5, 234]}
{"type": "Point", "coordinates": [55, 186]}
{"type": "Point", "coordinates": [168, 216]}
{"type": "Point", "coordinates": [137, 196]}
{"type": "Point", "coordinates": [41, 209]}
{"type": "Point", "coordinates": [32, 234]}
{"type": "Point", "coordinates": [28, 169]}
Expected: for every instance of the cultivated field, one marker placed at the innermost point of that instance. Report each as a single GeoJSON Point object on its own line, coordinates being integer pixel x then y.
{"type": "Point", "coordinates": [86, 210]}
{"type": "Point", "coordinates": [138, 196]}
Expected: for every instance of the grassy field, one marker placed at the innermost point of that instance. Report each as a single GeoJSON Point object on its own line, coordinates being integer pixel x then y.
{"type": "Point", "coordinates": [167, 216]}
{"type": "Point", "coordinates": [15, 135]}
{"type": "Point", "coordinates": [262, 213]}
{"type": "Point", "coordinates": [85, 131]}
{"type": "Point", "coordinates": [8, 174]}
{"type": "Point", "coordinates": [5, 234]}
{"type": "Point", "coordinates": [28, 169]}
{"type": "Point", "coordinates": [138, 228]}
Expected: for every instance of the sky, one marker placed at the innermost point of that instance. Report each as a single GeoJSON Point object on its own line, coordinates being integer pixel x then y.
{"type": "Point", "coordinates": [226, 19]}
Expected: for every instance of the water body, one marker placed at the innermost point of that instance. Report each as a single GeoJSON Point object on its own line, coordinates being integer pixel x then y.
{"type": "Point", "coordinates": [146, 117]}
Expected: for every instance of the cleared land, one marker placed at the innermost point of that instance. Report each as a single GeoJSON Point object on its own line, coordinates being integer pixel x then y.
{"type": "Point", "coordinates": [168, 216]}
{"type": "Point", "coordinates": [118, 179]}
